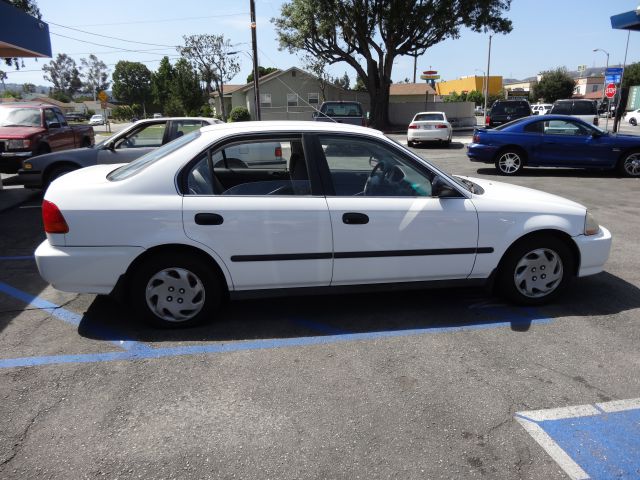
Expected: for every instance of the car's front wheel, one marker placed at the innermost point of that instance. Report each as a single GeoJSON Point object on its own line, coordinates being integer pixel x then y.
{"type": "Point", "coordinates": [509, 162]}
{"type": "Point", "coordinates": [633, 122]}
{"type": "Point", "coordinates": [535, 270]}
{"type": "Point", "coordinates": [177, 290]}
{"type": "Point", "coordinates": [629, 165]}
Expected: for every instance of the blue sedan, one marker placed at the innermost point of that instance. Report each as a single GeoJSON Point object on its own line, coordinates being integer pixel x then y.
{"type": "Point", "coordinates": [554, 141]}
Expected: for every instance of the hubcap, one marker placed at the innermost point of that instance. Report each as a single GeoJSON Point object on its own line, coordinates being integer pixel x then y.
{"type": "Point", "coordinates": [632, 164]}
{"type": "Point", "coordinates": [538, 273]}
{"type": "Point", "coordinates": [510, 162]}
{"type": "Point", "coordinates": [175, 295]}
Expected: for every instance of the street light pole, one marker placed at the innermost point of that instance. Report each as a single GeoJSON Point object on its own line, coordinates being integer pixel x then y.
{"type": "Point", "coordinates": [487, 82]}
{"type": "Point", "coordinates": [604, 86]}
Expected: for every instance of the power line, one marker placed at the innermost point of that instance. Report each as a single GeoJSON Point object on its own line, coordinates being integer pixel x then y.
{"type": "Point", "coordinates": [117, 51]}
{"type": "Point", "coordinates": [101, 44]}
{"type": "Point", "coordinates": [108, 65]}
{"type": "Point", "coordinates": [162, 20]}
{"type": "Point", "coordinates": [111, 38]}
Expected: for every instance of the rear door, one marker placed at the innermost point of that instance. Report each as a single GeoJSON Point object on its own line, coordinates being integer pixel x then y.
{"type": "Point", "coordinates": [270, 226]}
{"type": "Point", "coordinates": [387, 227]}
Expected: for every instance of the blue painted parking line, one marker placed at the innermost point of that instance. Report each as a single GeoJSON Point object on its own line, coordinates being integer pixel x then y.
{"type": "Point", "coordinates": [137, 350]}
{"type": "Point", "coordinates": [68, 316]}
{"type": "Point", "coordinates": [598, 441]}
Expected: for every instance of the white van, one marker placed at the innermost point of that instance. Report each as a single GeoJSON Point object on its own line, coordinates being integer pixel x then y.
{"type": "Point", "coordinates": [585, 110]}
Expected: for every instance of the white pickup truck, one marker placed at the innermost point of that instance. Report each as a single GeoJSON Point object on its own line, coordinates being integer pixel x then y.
{"type": "Point", "coordinates": [341, 112]}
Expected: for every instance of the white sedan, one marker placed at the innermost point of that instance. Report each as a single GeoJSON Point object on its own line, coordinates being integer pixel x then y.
{"type": "Point", "coordinates": [633, 117]}
{"type": "Point", "coordinates": [429, 127]}
{"type": "Point", "coordinates": [184, 226]}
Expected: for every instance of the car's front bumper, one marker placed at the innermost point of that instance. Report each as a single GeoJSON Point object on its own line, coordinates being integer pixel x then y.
{"type": "Point", "coordinates": [10, 162]}
{"type": "Point", "coordinates": [478, 152]}
{"type": "Point", "coordinates": [84, 269]}
{"type": "Point", "coordinates": [594, 251]}
{"type": "Point", "coordinates": [30, 178]}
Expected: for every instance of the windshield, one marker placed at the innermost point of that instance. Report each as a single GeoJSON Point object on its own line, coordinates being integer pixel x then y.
{"type": "Point", "coordinates": [150, 158]}
{"type": "Point", "coordinates": [19, 117]}
{"type": "Point", "coordinates": [427, 117]}
{"type": "Point", "coordinates": [342, 109]}
{"type": "Point", "coordinates": [510, 108]}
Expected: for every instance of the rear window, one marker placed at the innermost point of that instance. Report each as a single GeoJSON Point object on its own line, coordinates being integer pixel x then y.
{"type": "Point", "coordinates": [429, 117]}
{"type": "Point", "coordinates": [510, 108]}
{"type": "Point", "coordinates": [563, 108]}
{"type": "Point", "coordinates": [342, 109]}
{"type": "Point", "coordinates": [584, 108]}
{"type": "Point", "coordinates": [153, 156]}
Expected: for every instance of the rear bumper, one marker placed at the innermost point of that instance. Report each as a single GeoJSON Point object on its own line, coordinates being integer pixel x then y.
{"type": "Point", "coordinates": [478, 152]}
{"type": "Point", "coordinates": [594, 251]}
{"type": "Point", "coordinates": [84, 269]}
{"type": "Point", "coordinates": [440, 134]}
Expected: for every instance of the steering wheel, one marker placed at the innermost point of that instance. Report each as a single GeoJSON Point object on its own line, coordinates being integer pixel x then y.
{"type": "Point", "coordinates": [375, 178]}
{"type": "Point", "coordinates": [128, 142]}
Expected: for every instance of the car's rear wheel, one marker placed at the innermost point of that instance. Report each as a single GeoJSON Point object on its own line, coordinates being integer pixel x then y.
{"type": "Point", "coordinates": [174, 291]}
{"type": "Point", "coordinates": [509, 162]}
{"type": "Point", "coordinates": [629, 164]}
{"type": "Point", "coordinates": [535, 270]}
{"type": "Point", "coordinates": [86, 142]}
{"type": "Point", "coordinates": [411, 143]}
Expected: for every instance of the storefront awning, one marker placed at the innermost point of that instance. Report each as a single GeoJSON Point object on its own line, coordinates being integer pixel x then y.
{"type": "Point", "coordinates": [627, 20]}
{"type": "Point", "coordinates": [22, 35]}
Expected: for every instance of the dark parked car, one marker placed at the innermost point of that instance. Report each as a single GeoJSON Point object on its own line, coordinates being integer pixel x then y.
{"type": "Point", "coordinates": [341, 112]}
{"type": "Point", "coordinates": [583, 109]}
{"type": "Point", "coordinates": [123, 147]}
{"type": "Point", "coordinates": [554, 141]}
{"type": "Point", "coordinates": [504, 111]}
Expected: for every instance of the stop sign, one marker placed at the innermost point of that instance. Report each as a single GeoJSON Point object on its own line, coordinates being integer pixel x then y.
{"type": "Point", "coordinates": [610, 91]}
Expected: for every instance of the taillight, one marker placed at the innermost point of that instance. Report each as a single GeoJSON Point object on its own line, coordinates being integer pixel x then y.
{"type": "Point", "coordinates": [278, 152]}
{"type": "Point", "coordinates": [52, 218]}
{"type": "Point", "coordinates": [476, 138]}
{"type": "Point", "coordinates": [487, 120]}
{"type": "Point", "coordinates": [441, 125]}
{"type": "Point", "coordinates": [413, 126]}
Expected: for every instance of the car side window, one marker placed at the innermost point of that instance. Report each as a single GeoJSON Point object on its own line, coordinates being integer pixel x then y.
{"type": "Point", "coordinates": [61, 119]}
{"type": "Point", "coordinates": [50, 117]}
{"type": "Point", "coordinates": [149, 136]}
{"type": "Point", "coordinates": [564, 127]}
{"type": "Point", "coordinates": [182, 127]}
{"type": "Point", "coordinates": [533, 127]}
{"type": "Point", "coordinates": [249, 168]}
{"type": "Point", "coordinates": [362, 167]}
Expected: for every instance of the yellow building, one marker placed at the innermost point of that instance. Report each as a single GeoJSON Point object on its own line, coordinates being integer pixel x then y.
{"type": "Point", "coordinates": [469, 84]}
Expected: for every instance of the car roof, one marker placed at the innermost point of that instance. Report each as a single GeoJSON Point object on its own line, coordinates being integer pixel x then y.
{"type": "Point", "coordinates": [421, 113]}
{"type": "Point", "coordinates": [28, 105]}
{"type": "Point", "coordinates": [276, 126]}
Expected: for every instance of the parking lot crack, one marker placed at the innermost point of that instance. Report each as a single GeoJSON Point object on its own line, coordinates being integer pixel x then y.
{"type": "Point", "coordinates": [603, 395]}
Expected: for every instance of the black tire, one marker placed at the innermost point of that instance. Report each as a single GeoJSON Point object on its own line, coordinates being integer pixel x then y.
{"type": "Point", "coordinates": [411, 143]}
{"type": "Point", "coordinates": [629, 164]}
{"type": "Point", "coordinates": [510, 162]}
{"type": "Point", "coordinates": [86, 142]}
{"type": "Point", "coordinates": [522, 272]}
{"type": "Point", "coordinates": [160, 274]}
{"type": "Point", "coordinates": [58, 172]}
{"type": "Point", "coordinates": [633, 122]}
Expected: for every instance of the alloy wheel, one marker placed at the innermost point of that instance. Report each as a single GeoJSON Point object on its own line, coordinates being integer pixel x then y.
{"type": "Point", "coordinates": [509, 163]}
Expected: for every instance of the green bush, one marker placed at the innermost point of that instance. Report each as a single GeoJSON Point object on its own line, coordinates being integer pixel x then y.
{"type": "Point", "coordinates": [123, 112]}
{"type": "Point", "coordinates": [239, 114]}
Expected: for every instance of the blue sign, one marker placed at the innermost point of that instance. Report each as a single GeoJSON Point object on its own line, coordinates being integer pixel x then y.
{"type": "Point", "coordinates": [614, 71]}
{"type": "Point", "coordinates": [613, 79]}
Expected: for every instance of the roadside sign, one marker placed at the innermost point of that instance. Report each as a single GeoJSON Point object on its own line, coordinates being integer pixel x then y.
{"type": "Point", "coordinates": [102, 96]}
{"type": "Point", "coordinates": [103, 105]}
{"type": "Point", "coordinates": [613, 75]}
{"type": "Point", "coordinates": [610, 91]}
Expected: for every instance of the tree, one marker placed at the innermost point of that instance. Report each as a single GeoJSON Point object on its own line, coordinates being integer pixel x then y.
{"type": "Point", "coordinates": [63, 74]}
{"type": "Point", "coordinates": [132, 83]}
{"type": "Point", "coordinates": [342, 82]}
{"type": "Point", "coordinates": [369, 35]}
{"type": "Point", "coordinates": [476, 97]}
{"type": "Point", "coordinates": [553, 85]}
{"type": "Point", "coordinates": [28, 88]}
{"type": "Point", "coordinates": [3, 77]}
{"type": "Point", "coordinates": [213, 57]}
{"type": "Point", "coordinates": [95, 75]}
{"type": "Point", "coordinates": [27, 6]}
{"type": "Point", "coordinates": [185, 88]}
{"type": "Point", "coordinates": [631, 75]}
{"type": "Point", "coordinates": [359, 86]}
{"type": "Point", "coordinates": [262, 71]}
{"type": "Point", "coordinates": [318, 67]}
{"type": "Point", "coordinates": [161, 81]}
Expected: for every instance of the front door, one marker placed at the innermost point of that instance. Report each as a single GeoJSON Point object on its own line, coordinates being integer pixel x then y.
{"type": "Point", "coordinates": [134, 143]}
{"type": "Point", "coordinates": [387, 226]}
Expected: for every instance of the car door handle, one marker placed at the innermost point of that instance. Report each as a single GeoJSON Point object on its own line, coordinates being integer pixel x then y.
{"type": "Point", "coordinates": [208, 219]}
{"type": "Point", "coordinates": [352, 218]}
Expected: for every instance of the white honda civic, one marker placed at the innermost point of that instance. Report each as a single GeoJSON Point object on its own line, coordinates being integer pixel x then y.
{"type": "Point", "coordinates": [310, 207]}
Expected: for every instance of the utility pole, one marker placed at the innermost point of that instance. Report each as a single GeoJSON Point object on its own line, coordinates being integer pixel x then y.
{"type": "Point", "coordinates": [254, 46]}
{"type": "Point", "coordinates": [487, 83]}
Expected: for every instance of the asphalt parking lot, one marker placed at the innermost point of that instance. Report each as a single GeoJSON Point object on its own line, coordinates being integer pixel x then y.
{"type": "Point", "coordinates": [404, 385]}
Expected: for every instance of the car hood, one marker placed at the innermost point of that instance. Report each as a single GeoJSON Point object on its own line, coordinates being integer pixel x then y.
{"type": "Point", "coordinates": [19, 132]}
{"type": "Point", "coordinates": [84, 157]}
{"type": "Point", "coordinates": [523, 198]}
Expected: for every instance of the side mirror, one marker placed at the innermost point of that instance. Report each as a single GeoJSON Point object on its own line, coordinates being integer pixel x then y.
{"type": "Point", "coordinates": [53, 125]}
{"type": "Point", "coordinates": [314, 115]}
{"type": "Point", "coordinates": [441, 189]}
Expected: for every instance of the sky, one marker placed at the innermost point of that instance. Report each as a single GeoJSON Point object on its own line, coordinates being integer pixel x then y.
{"type": "Point", "coordinates": [546, 34]}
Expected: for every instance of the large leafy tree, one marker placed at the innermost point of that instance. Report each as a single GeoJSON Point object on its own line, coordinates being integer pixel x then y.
{"type": "Point", "coordinates": [262, 71]}
{"type": "Point", "coordinates": [631, 75]}
{"type": "Point", "coordinates": [553, 85]}
{"type": "Point", "coordinates": [30, 7]}
{"type": "Point", "coordinates": [132, 83]}
{"type": "Point", "coordinates": [214, 58]}
{"type": "Point", "coordinates": [95, 75]}
{"type": "Point", "coordinates": [185, 88]}
{"type": "Point", "coordinates": [63, 73]}
{"type": "Point", "coordinates": [370, 34]}
{"type": "Point", "coordinates": [161, 81]}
